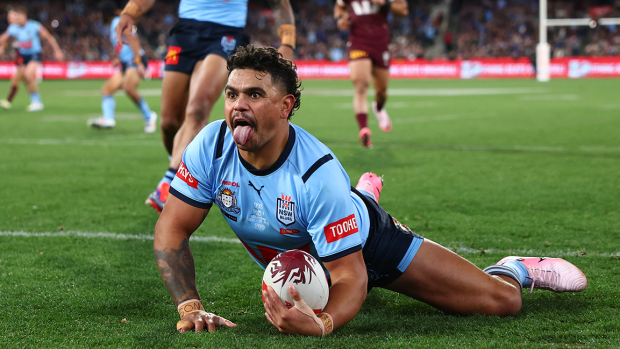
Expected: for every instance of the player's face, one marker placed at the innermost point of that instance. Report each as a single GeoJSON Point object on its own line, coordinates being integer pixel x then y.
{"type": "Point", "coordinates": [19, 18]}
{"type": "Point", "coordinates": [254, 108]}
{"type": "Point", "coordinates": [10, 17]}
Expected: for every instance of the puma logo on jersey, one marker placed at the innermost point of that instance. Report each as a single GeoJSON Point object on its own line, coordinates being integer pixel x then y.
{"type": "Point", "coordinates": [257, 190]}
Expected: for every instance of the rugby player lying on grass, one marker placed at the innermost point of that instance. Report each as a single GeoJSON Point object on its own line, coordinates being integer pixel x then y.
{"type": "Point", "coordinates": [256, 160]}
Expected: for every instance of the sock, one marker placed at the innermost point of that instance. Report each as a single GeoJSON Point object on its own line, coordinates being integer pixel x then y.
{"type": "Point", "coordinates": [168, 177]}
{"type": "Point", "coordinates": [362, 120]}
{"type": "Point", "coordinates": [513, 269]}
{"type": "Point", "coordinates": [108, 105]}
{"type": "Point", "coordinates": [12, 93]}
{"type": "Point", "coordinates": [144, 108]}
{"type": "Point", "coordinates": [35, 97]}
{"type": "Point", "coordinates": [380, 105]}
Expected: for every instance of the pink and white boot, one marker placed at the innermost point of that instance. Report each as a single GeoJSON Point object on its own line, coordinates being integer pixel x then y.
{"type": "Point", "coordinates": [370, 183]}
{"type": "Point", "coordinates": [554, 274]}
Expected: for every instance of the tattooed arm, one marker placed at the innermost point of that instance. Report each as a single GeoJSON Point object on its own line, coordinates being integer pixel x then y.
{"type": "Point", "coordinates": [176, 263]}
{"type": "Point", "coordinates": [285, 22]}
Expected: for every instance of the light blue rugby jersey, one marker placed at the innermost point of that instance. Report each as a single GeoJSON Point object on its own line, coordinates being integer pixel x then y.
{"type": "Point", "coordinates": [304, 201]}
{"type": "Point", "coordinates": [125, 54]}
{"type": "Point", "coordinates": [232, 13]}
{"type": "Point", "coordinates": [27, 37]}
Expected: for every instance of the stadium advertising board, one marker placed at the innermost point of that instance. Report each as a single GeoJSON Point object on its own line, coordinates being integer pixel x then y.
{"type": "Point", "coordinates": [568, 67]}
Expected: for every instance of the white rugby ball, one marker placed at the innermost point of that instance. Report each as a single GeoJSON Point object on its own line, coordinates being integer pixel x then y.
{"type": "Point", "coordinates": [297, 268]}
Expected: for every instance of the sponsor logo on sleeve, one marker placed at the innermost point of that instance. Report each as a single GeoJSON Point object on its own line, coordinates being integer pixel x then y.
{"type": "Point", "coordinates": [340, 229]}
{"type": "Point", "coordinates": [187, 177]}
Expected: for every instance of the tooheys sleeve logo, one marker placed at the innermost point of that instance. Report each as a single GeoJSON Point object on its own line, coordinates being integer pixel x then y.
{"type": "Point", "coordinates": [187, 177]}
{"type": "Point", "coordinates": [340, 229]}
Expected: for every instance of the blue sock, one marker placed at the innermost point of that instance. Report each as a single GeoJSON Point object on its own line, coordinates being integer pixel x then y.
{"type": "Point", "coordinates": [144, 109]}
{"type": "Point", "coordinates": [108, 105]}
{"type": "Point", "coordinates": [35, 97]}
{"type": "Point", "coordinates": [168, 177]}
{"type": "Point", "coordinates": [513, 269]}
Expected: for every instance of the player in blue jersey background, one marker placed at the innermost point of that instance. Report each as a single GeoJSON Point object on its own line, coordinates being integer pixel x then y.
{"type": "Point", "coordinates": [131, 58]}
{"type": "Point", "coordinates": [208, 31]}
{"type": "Point", "coordinates": [27, 34]}
{"type": "Point", "coordinates": [279, 188]}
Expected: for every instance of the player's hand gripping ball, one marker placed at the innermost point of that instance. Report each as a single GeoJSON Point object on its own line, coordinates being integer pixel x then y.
{"type": "Point", "coordinates": [297, 268]}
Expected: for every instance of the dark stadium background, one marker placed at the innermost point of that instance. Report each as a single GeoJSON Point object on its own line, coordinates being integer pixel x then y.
{"type": "Point", "coordinates": [433, 29]}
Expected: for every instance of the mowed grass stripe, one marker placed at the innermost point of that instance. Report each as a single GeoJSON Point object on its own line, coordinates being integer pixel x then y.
{"type": "Point", "coordinates": [457, 249]}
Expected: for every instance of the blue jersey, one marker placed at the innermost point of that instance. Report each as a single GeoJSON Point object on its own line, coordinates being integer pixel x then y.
{"type": "Point", "coordinates": [125, 53]}
{"type": "Point", "coordinates": [303, 201]}
{"type": "Point", "coordinates": [232, 13]}
{"type": "Point", "coordinates": [27, 37]}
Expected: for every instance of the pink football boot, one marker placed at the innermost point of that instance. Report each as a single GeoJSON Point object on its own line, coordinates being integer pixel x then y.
{"type": "Point", "coordinates": [364, 137]}
{"type": "Point", "coordinates": [370, 183]}
{"type": "Point", "coordinates": [385, 123]}
{"type": "Point", "coordinates": [554, 274]}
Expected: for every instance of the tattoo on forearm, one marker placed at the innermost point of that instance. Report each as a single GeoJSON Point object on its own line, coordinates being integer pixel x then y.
{"type": "Point", "coordinates": [176, 267]}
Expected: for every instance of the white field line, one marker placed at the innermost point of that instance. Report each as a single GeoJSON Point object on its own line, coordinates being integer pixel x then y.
{"type": "Point", "coordinates": [85, 117]}
{"type": "Point", "coordinates": [394, 105]}
{"type": "Point", "coordinates": [437, 92]}
{"type": "Point", "coordinates": [564, 97]}
{"type": "Point", "coordinates": [446, 117]}
{"type": "Point", "coordinates": [110, 236]}
{"type": "Point", "coordinates": [459, 249]}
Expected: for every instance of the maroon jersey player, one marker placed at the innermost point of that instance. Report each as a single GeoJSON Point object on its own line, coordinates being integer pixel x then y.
{"type": "Point", "coordinates": [369, 56]}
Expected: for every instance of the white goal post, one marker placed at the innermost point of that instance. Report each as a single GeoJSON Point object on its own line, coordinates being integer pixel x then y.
{"type": "Point", "coordinates": [543, 50]}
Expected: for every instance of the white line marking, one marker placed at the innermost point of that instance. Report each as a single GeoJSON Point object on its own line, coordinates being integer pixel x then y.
{"type": "Point", "coordinates": [83, 118]}
{"type": "Point", "coordinates": [438, 92]}
{"type": "Point", "coordinates": [459, 249]}
{"type": "Point", "coordinates": [110, 236]}
{"type": "Point", "coordinates": [97, 93]}
{"type": "Point", "coordinates": [394, 105]}
{"type": "Point", "coordinates": [565, 97]}
{"type": "Point", "coordinates": [447, 117]}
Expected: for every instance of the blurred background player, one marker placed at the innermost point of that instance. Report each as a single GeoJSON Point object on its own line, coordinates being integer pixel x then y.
{"type": "Point", "coordinates": [133, 63]}
{"type": "Point", "coordinates": [208, 31]}
{"type": "Point", "coordinates": [27, 33]}
{"type": "Point", "coordinates": [369, 56]}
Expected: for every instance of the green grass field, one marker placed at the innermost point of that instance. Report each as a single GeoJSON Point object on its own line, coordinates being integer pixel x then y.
{"type": "Point", "coordinates": [488, 168]}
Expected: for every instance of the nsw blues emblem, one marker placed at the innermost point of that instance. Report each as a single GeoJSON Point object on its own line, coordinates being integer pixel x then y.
{"type": "Point", "coordinates": [285, 210]}
{"type": "Point", "coordinates": [228, 44]}
{"type": "Point", "coordinates": [227, 200]}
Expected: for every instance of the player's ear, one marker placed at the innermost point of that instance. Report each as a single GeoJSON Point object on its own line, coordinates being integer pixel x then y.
{"type": "Point", "coordinates": [287, 104]}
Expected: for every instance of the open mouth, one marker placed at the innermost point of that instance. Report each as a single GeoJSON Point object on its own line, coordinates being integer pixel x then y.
{"type": "Point", "coordinates": [243, 129]}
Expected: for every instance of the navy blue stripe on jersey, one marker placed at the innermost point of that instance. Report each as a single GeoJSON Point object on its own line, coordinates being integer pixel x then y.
{"type": "Point", "coordinates": [341, 254]}
{"type": "Point", "coordinates": [220, 140]}
{"type": "Point", "coordinates": [189, 201]}
{"type": "Point", "coordinates": [273, 168]}
{"type": "Point", "coordinates": [316, 166]}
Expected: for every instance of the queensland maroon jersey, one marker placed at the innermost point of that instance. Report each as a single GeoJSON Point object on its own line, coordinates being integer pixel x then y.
{"type": "Point", "coordinates": [368, 23]}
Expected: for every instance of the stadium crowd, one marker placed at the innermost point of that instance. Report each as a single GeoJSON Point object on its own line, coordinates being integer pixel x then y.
{"type": "Point", "coordinates": [477, 28]}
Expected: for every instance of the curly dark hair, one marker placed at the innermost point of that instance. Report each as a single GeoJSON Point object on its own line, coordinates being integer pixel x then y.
{"type": "Point", "coordinates": [268, 60]}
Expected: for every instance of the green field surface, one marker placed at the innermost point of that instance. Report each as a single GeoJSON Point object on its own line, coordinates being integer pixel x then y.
{"type": "Point", "coordinates": [488, 168]}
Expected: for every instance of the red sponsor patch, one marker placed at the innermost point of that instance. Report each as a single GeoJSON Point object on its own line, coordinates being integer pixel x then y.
{"type": "Point", "coordinates": [187, 177]}
{"type": "Point", "coordinates": [288, 231]}
{"type": "Point", "coordinates": [172, 57]}
{"type": "Point", "coordinates": [340, 229]}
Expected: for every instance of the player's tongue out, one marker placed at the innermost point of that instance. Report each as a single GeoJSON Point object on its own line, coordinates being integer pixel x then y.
{"type": "Point", "coordinates": [242, 134]}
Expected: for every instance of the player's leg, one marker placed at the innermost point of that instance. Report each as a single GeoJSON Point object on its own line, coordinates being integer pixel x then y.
{"type": "Point", "coordinates": [381, 78]}
{"type": "Point", "coordinates": [174, 95]}
{"type": "Point", "coordinates": [30, 78]}
{"type": "Point", "coordinates": [447, 281]}
{"type": "Point", "coordinates": [108, 102]}
{"type": "Point", "coordinates": [131, 81]}
{"type": "Point", "coordinates": [361, 71]}
{"type": "Point", "coordinates": [206, 85]}
{"type": "Point", "coordinates": [15, 79]}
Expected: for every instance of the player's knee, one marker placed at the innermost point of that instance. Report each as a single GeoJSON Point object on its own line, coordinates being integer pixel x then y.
{"type": "Point", "coordinates": [198, 112]}
{"type": "Point", "coordinates": [505, 303]}
{"type": "Point", "coordinates": [169, 124]}
{"type": "Point", "coordinates": [360, 85]}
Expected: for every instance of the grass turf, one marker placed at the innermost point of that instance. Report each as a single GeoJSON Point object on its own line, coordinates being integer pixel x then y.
{"type": "Point", "coordinates": [485, 167]}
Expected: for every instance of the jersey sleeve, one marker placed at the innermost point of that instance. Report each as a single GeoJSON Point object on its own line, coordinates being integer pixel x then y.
{"type": "Point", "coordinates": [12, 30]}
{"type": "Point", "coordinates": [192, 182]}
{"type": "Point", "coordinates": [331, 214]}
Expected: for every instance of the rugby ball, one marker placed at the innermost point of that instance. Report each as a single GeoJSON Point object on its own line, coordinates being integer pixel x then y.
{"type": "Point", "coordinates": [297, 268]}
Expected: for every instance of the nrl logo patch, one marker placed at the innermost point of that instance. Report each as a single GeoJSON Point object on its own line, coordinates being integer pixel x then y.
{"type": "Point", "coordinates": [285, 210]}
{"type": "Point", "coordinates": [227, 200]}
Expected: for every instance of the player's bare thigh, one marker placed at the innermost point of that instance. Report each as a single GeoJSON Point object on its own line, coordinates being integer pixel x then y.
{"type": "Point", "coordinates": [447, 281]}
{"type": "Point", "coordinates": [206, 85]}
{"type": "Point", "coordinates": [361, 71]}
{"type": "Point", "coordinates": [19, 74]}
{"type": "Point", "coordinates": [112, 84]}
{"type": "Point", "coordinates": [131, 81]}
{"type": "Point", "coordinates": [174, 96]}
